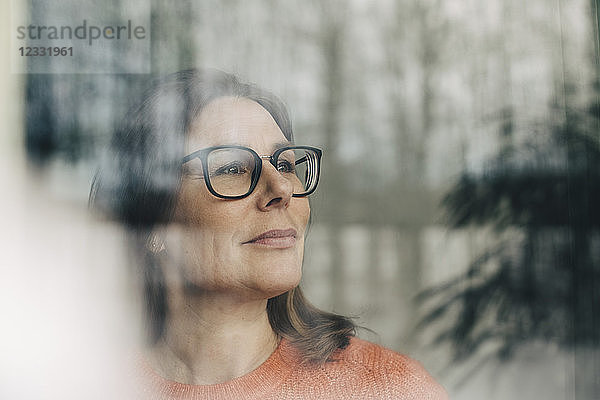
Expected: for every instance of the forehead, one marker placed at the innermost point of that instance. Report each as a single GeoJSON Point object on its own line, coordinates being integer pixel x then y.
{"type": "Point", "coordinates": [234, 120]}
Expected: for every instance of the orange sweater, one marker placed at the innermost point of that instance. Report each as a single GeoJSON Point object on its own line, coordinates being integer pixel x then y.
{"type": "Point", "coordinates": [361, 371]}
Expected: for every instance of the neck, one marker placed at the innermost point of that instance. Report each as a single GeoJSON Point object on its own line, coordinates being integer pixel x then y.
{"type": "Point", "coordinates": [211, 338]}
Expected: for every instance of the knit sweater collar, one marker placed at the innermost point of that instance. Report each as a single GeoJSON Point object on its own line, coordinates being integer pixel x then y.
{"type": "Point", "coordinates": [255, 384]}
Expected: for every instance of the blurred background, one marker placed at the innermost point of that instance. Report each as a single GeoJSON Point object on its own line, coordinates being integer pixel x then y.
{"type": "Point", "coordinates": [457, 212]}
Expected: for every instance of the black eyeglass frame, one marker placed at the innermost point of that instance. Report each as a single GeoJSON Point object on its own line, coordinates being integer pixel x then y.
{"type": "Point", "coordinates": [202, 154]}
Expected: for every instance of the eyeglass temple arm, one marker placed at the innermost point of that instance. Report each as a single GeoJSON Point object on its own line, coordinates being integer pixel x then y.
{"type": "Point", "coordinates": [300, 160]}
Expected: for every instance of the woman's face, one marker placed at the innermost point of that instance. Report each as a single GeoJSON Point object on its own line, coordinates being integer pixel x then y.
{"type": "Point", "coordinates": [211, 239]}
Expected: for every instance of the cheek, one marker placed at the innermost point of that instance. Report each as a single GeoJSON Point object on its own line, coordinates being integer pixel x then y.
{"type": "Point", "coordinates": [194, 207]}
{"type": "Point", "coordinates": [208, 255]}
{"type": "Point", "coordinates": [205, 244]}
{"type": "Point", "coordinates": [200, 257]}
{"type": "Point", "coordinates": [302, 211]}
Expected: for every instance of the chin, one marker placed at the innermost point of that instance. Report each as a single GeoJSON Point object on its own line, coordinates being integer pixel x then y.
{"type": "Point", "coordinates": [278, 280]}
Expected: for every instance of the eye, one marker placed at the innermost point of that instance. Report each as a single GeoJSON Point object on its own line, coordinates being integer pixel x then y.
{"type": "Point", "coordinates": [285, 166]}
{"type": "Point", "coordinates": [234, 168]}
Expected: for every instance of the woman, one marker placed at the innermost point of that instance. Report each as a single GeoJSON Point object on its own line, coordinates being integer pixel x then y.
{"type": "Point", "coordinates": [207, 178]}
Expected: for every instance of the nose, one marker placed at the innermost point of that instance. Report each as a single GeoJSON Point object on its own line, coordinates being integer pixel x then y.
{"type": "Point", "coordinates": [275, 189]}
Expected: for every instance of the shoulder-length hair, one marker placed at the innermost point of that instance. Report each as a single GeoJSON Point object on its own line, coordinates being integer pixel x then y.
{"type": "Point", "coordinates": [139, 182]}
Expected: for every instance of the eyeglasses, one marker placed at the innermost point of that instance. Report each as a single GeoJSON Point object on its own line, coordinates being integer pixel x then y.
{"type": "Point", "coordinates": [232, 172]}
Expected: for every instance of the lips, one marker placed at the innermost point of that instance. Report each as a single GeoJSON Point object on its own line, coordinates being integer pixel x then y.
{"type": "Point", "coordinates": [277, 238]}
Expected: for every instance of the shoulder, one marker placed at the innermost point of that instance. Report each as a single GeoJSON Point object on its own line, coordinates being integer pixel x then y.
{"type": "Point", "coordinates": [389, 374]}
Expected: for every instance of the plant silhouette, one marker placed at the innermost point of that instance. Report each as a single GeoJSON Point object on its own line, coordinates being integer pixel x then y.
{"type": "Point", "coordinates": [540, 280]}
